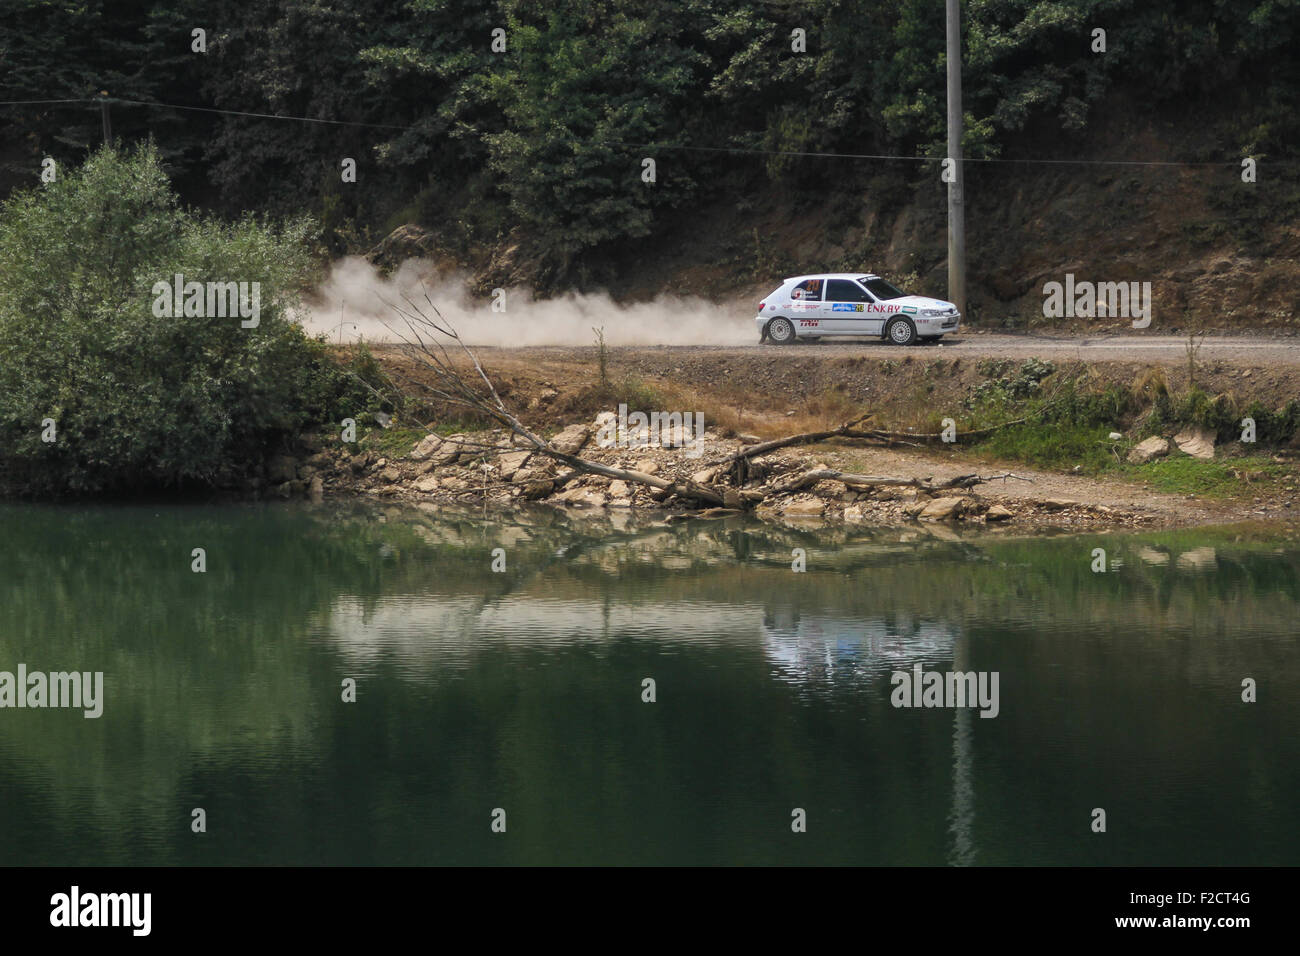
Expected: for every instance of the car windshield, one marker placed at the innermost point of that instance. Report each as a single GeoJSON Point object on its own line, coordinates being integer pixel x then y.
{"type": "Point", "coordinates": [881, 289]}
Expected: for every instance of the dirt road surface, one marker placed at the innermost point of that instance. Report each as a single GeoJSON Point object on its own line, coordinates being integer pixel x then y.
{"type": "Point", "coordinates": [1164, 350]}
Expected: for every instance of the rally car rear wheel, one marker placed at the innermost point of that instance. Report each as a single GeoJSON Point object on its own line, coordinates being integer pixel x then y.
{"type": "Point", "coordinates": [780, 331]}
{"type": "Point", "coordinates": [900, 332]}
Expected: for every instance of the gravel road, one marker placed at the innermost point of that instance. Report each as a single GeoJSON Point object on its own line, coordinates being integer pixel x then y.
{"type": "Point", "coordinates": [1168, 350]}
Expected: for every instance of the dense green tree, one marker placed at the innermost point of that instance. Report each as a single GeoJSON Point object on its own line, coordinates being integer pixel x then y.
{"type": "Point", "coordinates": [584, 88]}
{"type": "Point", "coordinates": [139, 399]}
{"type": "Point", "coordinates": [448, 132]}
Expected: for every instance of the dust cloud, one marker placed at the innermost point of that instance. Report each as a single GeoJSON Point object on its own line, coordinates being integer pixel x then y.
{"type": "Point", "coordinates": [351, 304]}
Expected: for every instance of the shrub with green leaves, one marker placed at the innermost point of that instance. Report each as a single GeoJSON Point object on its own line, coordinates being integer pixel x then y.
{"type": "Point", "coordinates": [140, 402]}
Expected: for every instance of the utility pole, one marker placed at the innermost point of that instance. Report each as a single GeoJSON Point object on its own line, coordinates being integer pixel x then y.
{"type": "Point", "coordinates": [956, 201]}
{"type": "Point", "coordinates": [103, 112]}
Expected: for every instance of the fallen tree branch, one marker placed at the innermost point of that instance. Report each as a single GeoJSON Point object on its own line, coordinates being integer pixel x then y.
{"type": "Point", "coordinates": [736, 464]}
{"type": "Point", "coordinates": [801, 439]}
{"type": "Point", "coordinates": [871, 481]}
{"type": "Point", "coordinates": [877, 433]}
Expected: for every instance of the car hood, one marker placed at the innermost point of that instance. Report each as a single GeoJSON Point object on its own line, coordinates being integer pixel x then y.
{"type": "Point", "coordinates": [920, 302]}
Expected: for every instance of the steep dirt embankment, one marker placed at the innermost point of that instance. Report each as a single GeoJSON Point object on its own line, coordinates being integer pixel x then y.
{"type": "Point", "coordinates": [1167, 209]}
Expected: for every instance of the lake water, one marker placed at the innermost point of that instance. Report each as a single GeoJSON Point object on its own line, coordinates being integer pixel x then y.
{"type": "Point", "coordinates": [522, 690]}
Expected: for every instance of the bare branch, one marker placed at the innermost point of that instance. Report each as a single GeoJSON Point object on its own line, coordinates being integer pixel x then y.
{"type": "Point", "coordinates": [868, 481]}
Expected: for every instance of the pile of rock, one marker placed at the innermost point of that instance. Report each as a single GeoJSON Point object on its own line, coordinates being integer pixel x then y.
{"type": "Point", "coordinates": [498, 467]}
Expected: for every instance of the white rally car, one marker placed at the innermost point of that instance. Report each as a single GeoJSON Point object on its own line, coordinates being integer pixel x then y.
{"type": "Point", "coordinates": [846, 303]}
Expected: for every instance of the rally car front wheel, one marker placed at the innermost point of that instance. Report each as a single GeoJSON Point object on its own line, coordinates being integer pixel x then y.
{"type": "Point", "coordinates": [781, 331]}
{"type": "Point", "coordinates": [900, 332]}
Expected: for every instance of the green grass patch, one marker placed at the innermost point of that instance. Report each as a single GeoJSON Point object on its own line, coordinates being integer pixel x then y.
{"type": "Point", "coordinates": [1212, 478]}
{"type": "Point", "coordinates": [635, 394]}
{"type": "Point", "coordinates": [394, 442]}
{"type": "Point", "coordinates": [1061, 446]}
{"type": "Point", "coordinates": [1056, 445]}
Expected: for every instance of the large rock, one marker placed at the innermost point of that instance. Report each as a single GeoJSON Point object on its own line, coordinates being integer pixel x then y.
{"type": "Point", "coordinates": [1196, 441]}
{"type": "Point", "coordinates": [943, 509]}
{"type": "Point", "coordinates": [1148, 450]}
{"type": "Point", "coordinates": [582, 497]}
{"type": "Point", "coordinates": [425, 448]}
{"type": "Point", "coordinates": [538, 489]}
{"type": "Point", "coordinates": [572, 439]}
{"type": "Point", "coordinates": [427, 485]}
{"type": "Point", "coordinates": [511, 462]}
{"type": "Point", "coordinates": [1059, 504]}
{"type": "Point", "coordinates": [449, 450]}
{"type": "Point", "coordinates": [408, 241]}
{"type": "Point", "coordinates": [808, 508]}
{"type": "Point", "coordinates": [998, 513]}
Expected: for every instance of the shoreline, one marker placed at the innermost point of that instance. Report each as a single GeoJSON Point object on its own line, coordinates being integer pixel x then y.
{"type": "Point", "coordinates": [440, 472]}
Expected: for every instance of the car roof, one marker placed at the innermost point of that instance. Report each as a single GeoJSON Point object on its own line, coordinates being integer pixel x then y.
{"type": "Point", "coordinates": [834, 275]}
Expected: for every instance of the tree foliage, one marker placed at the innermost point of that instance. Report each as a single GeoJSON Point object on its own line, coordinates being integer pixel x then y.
{"type": "Point", "coordinates": [132, 399]}
{"type": "Point", "coordinates": [450, 131]}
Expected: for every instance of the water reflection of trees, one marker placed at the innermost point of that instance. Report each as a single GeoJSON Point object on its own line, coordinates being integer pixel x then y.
{"type": "Point", "coordinates": [206, 670]}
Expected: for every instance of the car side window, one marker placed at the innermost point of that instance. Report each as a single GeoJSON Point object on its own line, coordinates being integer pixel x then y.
{"type": "Point", "coordinates": [809, 290]}
{"type": "Point", "coordinates": [842, 290]}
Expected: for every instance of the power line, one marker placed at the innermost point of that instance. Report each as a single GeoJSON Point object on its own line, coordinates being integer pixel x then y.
{"type": "Point", "coordinates": [41, 102]}
{"type": "Point", "coordinates": [207, 109]}
{"type": "Point", "coordinates": [918, 159]}
{"type": "Point", "coordinates": [676, 146]}
{"type": "Point", "coordinates": [297, 119]}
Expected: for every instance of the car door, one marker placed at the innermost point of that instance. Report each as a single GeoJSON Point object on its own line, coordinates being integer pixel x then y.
{"type": "Point", "coordinates": [845, 308]}
{"type": "Point", "coordinates": [806, 306]}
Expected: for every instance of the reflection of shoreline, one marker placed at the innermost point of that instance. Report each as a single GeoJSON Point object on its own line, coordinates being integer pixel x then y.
{"type": "Point", "coordinates": [420, 629]}
{"type": "Point", "coordinates": [811, 649]}
{"type": "Point", "coordinates": [422, 632]}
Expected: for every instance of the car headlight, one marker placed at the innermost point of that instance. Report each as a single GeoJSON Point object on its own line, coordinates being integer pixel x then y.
{"type": "Point", "coordinates": [932, 313]}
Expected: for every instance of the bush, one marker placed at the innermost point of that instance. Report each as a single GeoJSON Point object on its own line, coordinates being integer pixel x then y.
{"type": "Point", "coordinates": [138, 401]}
{"type": "Point", "coordinates": [1276, 427]}
{"type": "Point", "coordinates": [1221, 415]}
{"type": "Point", "coordinates": [1002, 387]}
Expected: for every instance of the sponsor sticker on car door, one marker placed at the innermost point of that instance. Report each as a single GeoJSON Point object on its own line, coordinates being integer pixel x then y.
{"type": "Point", "coordinates": [847, 307]}
{"type": "Point", "coordinates": [806, 304]}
